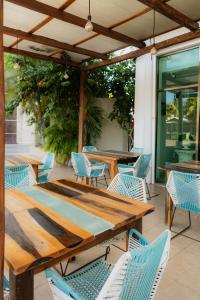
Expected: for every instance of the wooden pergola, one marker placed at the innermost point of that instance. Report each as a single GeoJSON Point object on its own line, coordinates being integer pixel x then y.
{"type": "Point", "coordinates": [44, 30]}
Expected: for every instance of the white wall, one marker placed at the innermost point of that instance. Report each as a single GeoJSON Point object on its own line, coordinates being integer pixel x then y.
{"type": "Point", "coordinates": [113, 137]}
{"type": "Point", "coordinates": [145, 95]}
{"type": "Point", "coordinates": [25, 132]}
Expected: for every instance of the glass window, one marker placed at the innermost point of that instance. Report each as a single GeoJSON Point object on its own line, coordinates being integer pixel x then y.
{"type": "Point", "coordinates": [178, 69]}
{"type": "Point", "coordinates": [177, 109]}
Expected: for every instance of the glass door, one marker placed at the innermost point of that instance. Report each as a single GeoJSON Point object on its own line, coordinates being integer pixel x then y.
{"type": "Point", "coordinates": [177, 109]}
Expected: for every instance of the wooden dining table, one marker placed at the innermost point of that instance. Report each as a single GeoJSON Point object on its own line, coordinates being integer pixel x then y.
{"type": "Point", "coordinates": [52, 222]}
{"type": "Point", "coordinates": [18, 159]}
{"type": "Point", "coordinates": [191, 166]}
{"type": "Point", "coordinates": [113, 158]}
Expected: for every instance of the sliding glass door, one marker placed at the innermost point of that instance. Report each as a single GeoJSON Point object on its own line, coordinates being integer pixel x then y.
{"type": "Point", "coordinates": [177, 109]}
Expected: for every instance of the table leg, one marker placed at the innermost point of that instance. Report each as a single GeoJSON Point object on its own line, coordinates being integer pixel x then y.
{"type": "Point", "coordinates": [86, 180]}
{"type": "Point", "coordinates": [113, 169]}
{"type": "Point", "coordinates": [138, 227]}
{"type": "Point", "coordinates": [35, 169]}
{"type": "Point", "coordinates": [168, 209]}
{"type": "Point", "coordinates": [21, 286]}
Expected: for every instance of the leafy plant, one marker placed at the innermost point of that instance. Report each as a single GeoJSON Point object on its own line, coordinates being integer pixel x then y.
{"type": "Point", "coordinates": [117, 82]}
{"type": "Point", "coordinates": [49, 95]}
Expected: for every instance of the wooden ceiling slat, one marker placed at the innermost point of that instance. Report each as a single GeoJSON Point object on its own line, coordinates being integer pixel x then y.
{"type": "Point", "coordinates": [44, 22]}
{"type": "Point", "coordinates": [171, 13]}
{"type": "Point", "coordinates": [50, 42]}
{"type": "Point", "coordinates": [133, 54]}
{"type": "Point", "coordinates": [133, 16]}
{"type": "Point", "coordinates": [39, 56]}
{"type": "Point", "coordinates": [75, 20]}
{"type": "Point", "coordinates": [116, 24]}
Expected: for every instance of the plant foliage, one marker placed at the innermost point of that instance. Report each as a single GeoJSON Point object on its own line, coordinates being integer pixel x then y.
{"type": "Point", "coordinates": [51, 100]}
{"type": "Point", "coordinates": [117, 82]}
{"type": "Point", "coordinates": [49, 94]}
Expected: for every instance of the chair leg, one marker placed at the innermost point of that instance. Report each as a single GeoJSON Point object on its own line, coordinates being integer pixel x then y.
{"type": "Point", "coordinates": [76, 177]}
{"type": "Point", "coordinates": [96, 181]}
{"type": "Point", "coordinates": [148, 192]}
{"type": "Point", "coordinates": [63, 272]}
{"type": "Point", "coordinates": [105, 180]}
{"type": "Point", "coordinates": [184, 229]}
{"type": "Point", "coordinates": [92, 182]}
{"type": "Point", "coordinates": [107, 252]}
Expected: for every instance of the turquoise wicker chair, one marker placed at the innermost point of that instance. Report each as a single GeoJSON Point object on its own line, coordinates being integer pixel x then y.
{"type": "Point", "coordinates": [124, 167]}
{"type": "Point", "coordinates": [128, 185]}
{"type": "Point", "coordinates": [18, 176]}
{"type": "Point", "coordinates": [84, 168]}
{"type": "Point", "coordinates": [135, 276]}
{"type": "Point", "coordinates": [184, 190]}
{"type": "Point", "coordinates": [46, 168]}
{"type": "Point", "coordinates": [137, 150]}
{"type": "Point", "coordinates": [89, 149]}
{"type": "Point", "coordinates": [140, 169]}
{"type": "Point", "coordinates": [5, 289]}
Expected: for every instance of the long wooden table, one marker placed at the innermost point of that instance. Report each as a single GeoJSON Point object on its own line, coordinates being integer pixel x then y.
{"type": "Point", "coordinates": [191, 166]}
{"type": "Point", "coordinates": [113, 158]}
{"type": "Point", "coordinates": [18, 159]}
{"type": "Point", "coordinates": [50, 222]}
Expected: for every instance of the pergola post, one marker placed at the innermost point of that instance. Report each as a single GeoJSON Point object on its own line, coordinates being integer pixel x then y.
{"type": "Point", "coordinates": [2, 153]}
{"type": "Point", "coordinates": [82, 112]}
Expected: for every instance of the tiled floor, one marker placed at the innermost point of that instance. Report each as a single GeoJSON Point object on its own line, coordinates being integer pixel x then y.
{"type": "Point", "coordinates": [181, 279]}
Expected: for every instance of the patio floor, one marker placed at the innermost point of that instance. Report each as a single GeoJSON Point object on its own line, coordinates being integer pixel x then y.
{"type": "Point", "coordinates": [181, 279]}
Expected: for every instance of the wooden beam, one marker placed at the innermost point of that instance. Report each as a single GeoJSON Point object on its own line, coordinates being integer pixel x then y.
{"type": "Point", "coordinates": [82, 104]}
{"type": "Point", "coordinates": [133, 16]}
{"type": "Point", "coordinates": [2, 153]}
{"type": "Point", "coordinates": [50, 42]}
{"type": "Point", "coordinates": [171, 13]}
{"type": "Point", "coordinates": [43, 22]}
{"type": "Point", "coordinates": [75, 20]}
{"type": "Point", "coordinates": [116, 24]}
{"type": "Point", "coordinates": [133, 54]}
{"type": "Point", "coordinates": [39, 56]}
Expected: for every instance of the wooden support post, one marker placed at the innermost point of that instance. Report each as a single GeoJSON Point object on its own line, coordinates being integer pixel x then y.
{"type": "Point", "coordinates": [82, 104]}
{"type": "Point", "coordinates": [21, 286]}
{"type": "Point", "coordinates": [2, 153]}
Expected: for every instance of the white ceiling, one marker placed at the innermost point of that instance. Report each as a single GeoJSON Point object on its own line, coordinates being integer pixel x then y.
{"type": "Point", "coordinates": [64, 32]}
{"type": "Point", "coordinates": [104, 12]}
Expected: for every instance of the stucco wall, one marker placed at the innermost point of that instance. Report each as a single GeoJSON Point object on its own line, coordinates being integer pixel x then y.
{"type": "Point", "coordinates": [112, 137]}
{"type": "Point", "coordinates": [25, 132]}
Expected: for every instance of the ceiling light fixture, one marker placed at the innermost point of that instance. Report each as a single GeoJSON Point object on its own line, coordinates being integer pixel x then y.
{"type": "Point", "coordinates": [16, 65]}
{"type": "Point", "coordinates": [153, 50]}
{"type": "Point", "coordinates": [66, 76]}
{"type": "Point", "coordinates": [89, 25]}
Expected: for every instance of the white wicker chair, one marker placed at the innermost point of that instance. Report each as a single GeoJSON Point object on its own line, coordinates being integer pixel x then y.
{"type": "Point", "coordinates": [130, 186]}
{"type": "Point", "coordinates": [135, 276]}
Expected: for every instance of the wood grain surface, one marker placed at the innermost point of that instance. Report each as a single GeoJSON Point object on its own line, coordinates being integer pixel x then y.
{"type": "Point", "coordinates": [50, 220]}
{"type": "Point", "coordinates": [22, 159]}
{"type": "Point", "coordinates": [192, 166]}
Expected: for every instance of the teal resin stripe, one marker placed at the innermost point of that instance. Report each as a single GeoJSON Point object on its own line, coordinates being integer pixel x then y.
{"type": "Point", "coordinates": [93, 224]}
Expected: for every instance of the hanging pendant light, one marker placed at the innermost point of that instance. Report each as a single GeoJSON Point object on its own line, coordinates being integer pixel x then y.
{"type": "Point", "coordinates": [153, 50]}
{"type": "Point", "coordinates": [89, 25]}
{"type": "Point", "coordinates": [66, 76]}
{"type": "Point", "coordinates": [16, 65]}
